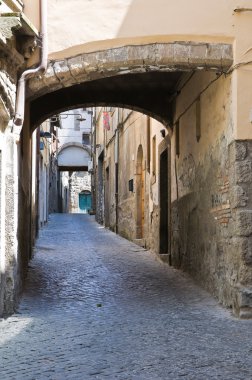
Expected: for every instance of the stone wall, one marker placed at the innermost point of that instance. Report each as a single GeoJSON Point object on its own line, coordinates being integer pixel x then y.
{"type": "Point", "coordinates": [78, 182]}
{"type": "Point", "coordinates": [211, 199]}
{"type": "Point", "coordinates": [15, 238]}
{"type": "Point", "coordinates": [240, 184]}
{"type": "Point", "coordinates": [211, 226]}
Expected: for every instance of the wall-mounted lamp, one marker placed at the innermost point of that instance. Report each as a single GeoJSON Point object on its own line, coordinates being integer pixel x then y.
{"type": "Point", "coordinates": [65, 116]}
{"type": "Point", "coordinates": [46, 135]}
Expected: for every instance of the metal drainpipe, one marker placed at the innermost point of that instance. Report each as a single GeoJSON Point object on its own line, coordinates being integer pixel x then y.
{"type": "Point", "coordinates": [20, 99]}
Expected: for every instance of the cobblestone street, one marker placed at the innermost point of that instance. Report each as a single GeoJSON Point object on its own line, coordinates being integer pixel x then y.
{"type": "Point", "coordinates": [98, 307]}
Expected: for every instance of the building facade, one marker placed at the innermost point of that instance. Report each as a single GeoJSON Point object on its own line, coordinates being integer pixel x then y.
{"type": "Point", "coordinates": [70, 188]}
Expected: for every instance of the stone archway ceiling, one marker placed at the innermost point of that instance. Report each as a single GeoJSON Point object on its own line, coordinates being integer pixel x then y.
{"type": "Point", "coordinates": [73, 156]}
{"type": "Point", "coordinates": [142, 78]}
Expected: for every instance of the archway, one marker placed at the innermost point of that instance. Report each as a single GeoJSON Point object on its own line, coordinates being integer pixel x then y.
{"type": "Point", "coordinates": [73, 156]}
{"type": "Point", "coordinates": [139, 77]}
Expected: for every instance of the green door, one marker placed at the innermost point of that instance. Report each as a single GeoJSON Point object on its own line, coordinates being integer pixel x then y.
{"type": "Point", "coordinates": [85, 201]}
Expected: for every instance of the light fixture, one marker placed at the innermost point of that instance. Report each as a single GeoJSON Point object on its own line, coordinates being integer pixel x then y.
{"type": "Point", "coordinates": [80, 118]}
{"type": "Point", "coordinates": [46, 135]}
{"type": "Point", "coordinates": [63, 116]}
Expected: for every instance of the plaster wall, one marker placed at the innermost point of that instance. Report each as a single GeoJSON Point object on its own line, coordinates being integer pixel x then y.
{"type": "Point", "coordinates": [32, 11]}
{"type": "Point", "coordinates": [107, 23]}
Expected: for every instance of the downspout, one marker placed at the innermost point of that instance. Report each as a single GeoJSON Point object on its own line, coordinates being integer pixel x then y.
{"type": "Point", "coordinates": [20, 99]}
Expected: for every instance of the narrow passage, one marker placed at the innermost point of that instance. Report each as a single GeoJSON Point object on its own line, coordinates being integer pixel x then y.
{"type": "Point", "coordinates": [99, 307]}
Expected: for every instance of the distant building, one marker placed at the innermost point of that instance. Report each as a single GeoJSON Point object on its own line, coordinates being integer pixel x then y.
{"type": "Point", "coordinates": [72, 130]}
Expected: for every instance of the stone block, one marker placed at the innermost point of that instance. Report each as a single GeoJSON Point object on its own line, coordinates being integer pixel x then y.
{"type": "Point", "coordinates": [62, 71]}
{"type": "Point", "coordinates": [75, 65]}
{"type": "Point", "coordinates": [244, 300]}
{"type": "Point", "coordinates": [247, 251]}
{"type": "Point", "coordinates": [213, 53]}
{"type": "Point", "coordinates": [140, 55]}
{"type": "Point", "coordinates": [243, 223]}
{"type": "Point", "coordinates": [181, 53]}
{"type": "Point", "coordinates": [165, 54]}
{"type": "Point", "coordinates": [243, 171]}
{"type": "Point", "coordinates": [237, 151]}
{"type": "Point", "coordinates": [198, 54]}
{"type": "Point", "coordinates": [111, 59]}
{"type": "Point", "coordinates": [49, 80]}
{"type": "Point", "coordinates": [238, 197]}
{"type": "Point", "coordinates": [227, 52]}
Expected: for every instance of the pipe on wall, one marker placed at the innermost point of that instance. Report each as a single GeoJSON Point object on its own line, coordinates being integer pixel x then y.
{"type": "Point", "coordinates": [20, 99]}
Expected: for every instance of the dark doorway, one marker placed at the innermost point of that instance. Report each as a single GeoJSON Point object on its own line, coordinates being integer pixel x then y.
{"type": "Point", "coordinates": [164, 196]}
{"type": "Point", "coordinates": [107, 199]}
{"type": "Point", "coordinates": [140, 193]}
{"type": "Point", "coordinates": [100, 190]}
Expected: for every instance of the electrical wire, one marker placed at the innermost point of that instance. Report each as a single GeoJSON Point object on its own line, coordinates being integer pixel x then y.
{"type": "Point", "coordinates": [192, 103]}
{"type": "Point", "coordinates": [237, 66]}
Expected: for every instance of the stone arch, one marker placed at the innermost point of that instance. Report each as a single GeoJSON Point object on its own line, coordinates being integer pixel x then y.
{"type": "Point", "coordinates": [138, 77]}
{"type": "Point", "coordinates": [75, 144]}
{"type": "Point", "coordinates": [73, 157]}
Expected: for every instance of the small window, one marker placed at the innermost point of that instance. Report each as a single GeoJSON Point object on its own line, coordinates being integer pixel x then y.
{"type": "Point", "coordinates": [131, 185]}
{"type": "Point", "coordinates": [86, 139]}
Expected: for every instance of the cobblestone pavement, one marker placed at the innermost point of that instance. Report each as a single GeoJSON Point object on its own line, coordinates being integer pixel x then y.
{"type": "Point", "coordinates": [98, 307]}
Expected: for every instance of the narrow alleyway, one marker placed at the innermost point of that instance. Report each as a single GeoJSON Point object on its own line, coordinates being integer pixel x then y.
{"type": "Point", "coordinates": [98, 307]}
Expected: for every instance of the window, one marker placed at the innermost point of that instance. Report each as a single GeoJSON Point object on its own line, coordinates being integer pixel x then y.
{"type": "Point", "coordinates": [86, 139]}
